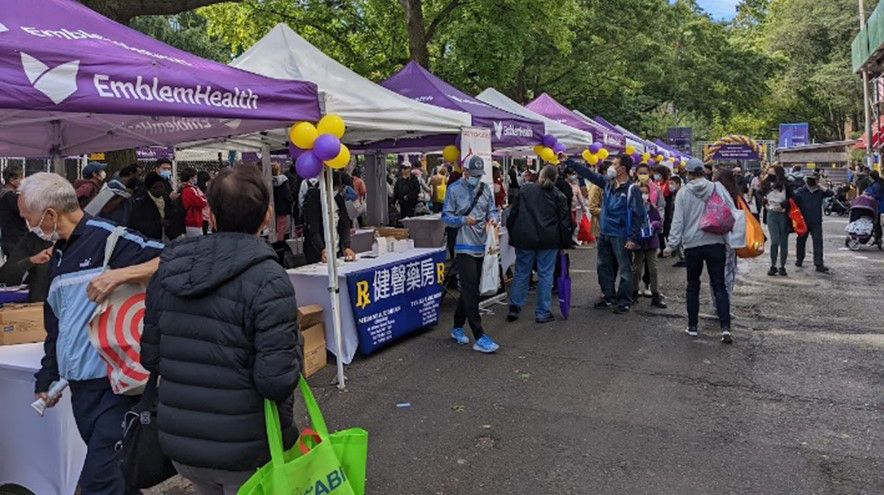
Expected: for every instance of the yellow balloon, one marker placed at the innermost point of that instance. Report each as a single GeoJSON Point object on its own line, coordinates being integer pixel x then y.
{"type": "Point", "coordinates": [659, 158]}
{"type": "Point", "coordinates": [450, 153]}
{"type": "Point", "coordinates": [602, 154]}
{"type": "Point", "coordinates": [537, 149]}
{"type": "Point", "coordinates": [645, 157]}
{"type": "Point", "coordinates": [630, 149]}
{"type": "Point", "coordinates": [331, 124]}
{"type": "Point", "coordinates": [586, 155]}
{"type": "Point", "coordinates": [593, 159]}
{"type": "Point", "coordinates": [303, 134]}
{"type": "Point", "coordinates": [341, 160]}
{"type": "Point", "coordinates": [547, 154]}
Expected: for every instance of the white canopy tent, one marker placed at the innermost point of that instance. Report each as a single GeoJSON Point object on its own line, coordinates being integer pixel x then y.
{"type": "Point", "coordinates": [371, 112]}
{"type": "Point", "coordinates": [574, 139]}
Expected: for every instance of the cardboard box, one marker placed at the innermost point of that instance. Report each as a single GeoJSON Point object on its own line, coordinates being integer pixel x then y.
{"type": "Point", "coordinates": [309, 315]}
{"type": "Point", "coordinates": [314, 348]}
{"type": "Point", "coordinates": [21, 324]}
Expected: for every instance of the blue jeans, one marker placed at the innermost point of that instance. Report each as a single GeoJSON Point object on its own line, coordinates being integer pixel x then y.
{"type": "Point", "coordinates": [546, 264]}
{"type": "Point", "coordinates": [611, 250]}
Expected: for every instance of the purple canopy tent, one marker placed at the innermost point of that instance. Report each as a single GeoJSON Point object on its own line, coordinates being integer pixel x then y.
{"type": "Point", "coordinates": [508, 129]}
{"type": "Point", "coordinates": [547, 106]}
{"type": "Point", "coordinates": [74, 81]}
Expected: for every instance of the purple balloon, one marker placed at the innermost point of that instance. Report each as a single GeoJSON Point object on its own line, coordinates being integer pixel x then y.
{"type": "Point", "coordinates": [294, 151]}
{"type": "Point", "coordinates": [550, 141]}
{"type": "Point", "coordinates": [636, 158]}
{"type": "Point", "coordinates": [326, 147]}
{"type": "Point", "coordinates": [308, 165]}
{"type": "Point", "coordinates": [595, 148]}
{"type": "Point", "coordinates": [652, 162]}
{"type": "Point", "coordinates": [560, 148]}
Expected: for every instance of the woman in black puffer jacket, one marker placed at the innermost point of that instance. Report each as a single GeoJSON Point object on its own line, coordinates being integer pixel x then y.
{"type": "Point", "coordinates": [220, 329]}
{"type": "Point", "coordinates": [539, 224]}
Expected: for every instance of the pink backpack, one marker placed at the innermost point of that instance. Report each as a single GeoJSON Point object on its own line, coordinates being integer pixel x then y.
{"type": "Point", "coordinates": [717, 218]}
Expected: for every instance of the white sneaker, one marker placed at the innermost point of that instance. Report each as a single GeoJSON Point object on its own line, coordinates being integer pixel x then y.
{"type": "Point", "coordinates": [646, 293]}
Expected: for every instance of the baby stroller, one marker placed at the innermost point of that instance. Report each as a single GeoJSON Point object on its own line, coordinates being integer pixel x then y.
{"type": "Point", "coordinates": [864, 227]}
{"type": "Point", "coordinates": [838, 203]}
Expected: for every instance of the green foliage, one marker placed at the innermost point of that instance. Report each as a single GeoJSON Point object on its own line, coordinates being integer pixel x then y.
{"type": "Point", "coordinates": [186, 31]}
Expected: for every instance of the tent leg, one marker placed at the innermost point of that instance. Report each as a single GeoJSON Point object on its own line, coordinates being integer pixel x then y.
{"type": "Point", "coordinates": [331, 253]}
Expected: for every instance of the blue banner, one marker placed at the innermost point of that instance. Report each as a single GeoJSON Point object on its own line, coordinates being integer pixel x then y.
{"type": "Point", "coordinates": [393, 300]}
{"type": "Point", "coordinates": [794, 134]}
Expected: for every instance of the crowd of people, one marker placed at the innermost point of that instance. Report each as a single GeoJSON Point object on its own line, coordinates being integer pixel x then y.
{"type": "Point", "coordinates": [233, 313]}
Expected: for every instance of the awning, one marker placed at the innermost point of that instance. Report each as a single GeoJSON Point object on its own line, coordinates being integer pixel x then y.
{"type": "Point", "coordinates": [548, 107]}
{"type": "Point", "coordinates": [74, 81]}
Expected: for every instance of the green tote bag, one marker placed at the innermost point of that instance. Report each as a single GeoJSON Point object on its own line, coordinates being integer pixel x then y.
{"type": "Point", "coordinates": [318, 464]}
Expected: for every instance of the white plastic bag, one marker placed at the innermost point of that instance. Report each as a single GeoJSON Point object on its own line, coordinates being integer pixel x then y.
{"type": "Point", "coordinates": [490, 281]}
{"type": "Point", "coordinates": [736, 238]}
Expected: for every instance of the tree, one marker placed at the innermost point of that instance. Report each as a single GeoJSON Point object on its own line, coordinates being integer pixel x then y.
{"type": "Point", "coordinates": [123, 11]}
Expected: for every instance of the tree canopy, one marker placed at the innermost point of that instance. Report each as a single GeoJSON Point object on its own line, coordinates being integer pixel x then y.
{"type": "Point", "coordinates": [646, 64]}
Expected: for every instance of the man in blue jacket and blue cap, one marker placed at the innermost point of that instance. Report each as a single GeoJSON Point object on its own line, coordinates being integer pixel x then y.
{"type": "Point", "coordinates": [469, 207]}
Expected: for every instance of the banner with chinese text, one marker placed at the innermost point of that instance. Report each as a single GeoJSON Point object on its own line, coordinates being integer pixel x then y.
{"type": "Point", "coordinates": [393, 300]}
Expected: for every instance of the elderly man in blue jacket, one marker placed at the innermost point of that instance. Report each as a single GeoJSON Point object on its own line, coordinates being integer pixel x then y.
{"type": "Point", "coordinates": [469, 207]}
{"type": "Point", "coordinates": [619, 232]}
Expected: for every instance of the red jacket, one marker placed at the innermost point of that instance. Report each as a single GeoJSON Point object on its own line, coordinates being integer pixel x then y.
{"type": "Point", "coordinates": [194, 201]}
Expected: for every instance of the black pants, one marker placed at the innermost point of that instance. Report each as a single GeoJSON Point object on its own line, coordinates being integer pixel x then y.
{"type": "Point", "coordinates": [469, 269]}
{"type": "Point", "coordinates": [815, 231]}
{"type": "Point", "coordinates": [714, 256]}
{"type": "Point", "coordinates": [98, 413]}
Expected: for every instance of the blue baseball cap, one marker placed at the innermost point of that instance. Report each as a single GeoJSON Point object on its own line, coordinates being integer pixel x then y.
{"type": "Point", "coordinates": [93, 167]}
{"type": "Point", "coordinates": [695, 165]}
{"type": "Point", "coordinates": [476, 166]}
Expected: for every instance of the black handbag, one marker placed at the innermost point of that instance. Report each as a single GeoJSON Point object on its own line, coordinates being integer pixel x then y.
{"type": "Point", "coordinates": [143, 463]}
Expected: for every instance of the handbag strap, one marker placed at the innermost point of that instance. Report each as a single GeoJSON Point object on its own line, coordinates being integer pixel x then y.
{"type": "Point", "coordinates": [110, 244]}
{"type": "Point", "coordinates": [313, 409]}
{"type": "Point", "coordinates": [478, 195]}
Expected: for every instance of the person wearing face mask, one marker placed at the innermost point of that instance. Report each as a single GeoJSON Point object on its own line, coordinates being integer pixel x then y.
{"type": "Point", "coordinates": [221, 335]}
{"type": "Point", "coordinates": [469, 210]}
{"type": "Point", "coordinates": [810, 199]}
{"type": "Point", "coordinates": [620, 232]}
{"type": "Point", "coordinates": [594, 200]}
{"type": "Point", "coordinates": [578, 202]}
{"type": "Point", "coordinates": [661, 179]}
{"type": "Point", "coordinates": [87, 187]}
{"type": "Point", "coordinates": [194, 201]}
{"type": "Point", "coordinates": [49, 205]}
{"type": "Point", "coordinates": [645, 254]}
{"type": "Point", "coordinates": [675, 184]}
{"type": "Point", "coordinates": [314, 235]}
{"type": "Point", "coordinates": [151, 210]}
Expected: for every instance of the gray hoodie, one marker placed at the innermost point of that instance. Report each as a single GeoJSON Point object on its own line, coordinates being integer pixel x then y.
{"type": "Point", "coordinates": [690, 203]}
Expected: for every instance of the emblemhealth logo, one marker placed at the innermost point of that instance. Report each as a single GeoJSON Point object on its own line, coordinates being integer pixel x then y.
{"type": "Point", "coordinates": [56, 83]}
{"type": "Point", "coordinates": [501, 130]}
{"type": "Point", "coordinates": [498, 129]}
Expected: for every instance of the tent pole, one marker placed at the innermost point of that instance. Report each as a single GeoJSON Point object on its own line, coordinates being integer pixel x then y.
{"type": "Point", "coordinates": [326, 191]}
{"type": "Point", "coordinates": [55, 149]}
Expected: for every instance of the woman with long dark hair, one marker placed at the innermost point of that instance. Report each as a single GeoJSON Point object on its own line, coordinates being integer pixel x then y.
{"type": "Point", "coordinates": [725, 176]}
{"type": "Point", "coordinates": [776, 192]}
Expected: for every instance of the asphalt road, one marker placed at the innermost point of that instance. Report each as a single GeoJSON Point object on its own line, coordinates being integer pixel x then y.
{"type": "Point", "coordinates": [630, 404]}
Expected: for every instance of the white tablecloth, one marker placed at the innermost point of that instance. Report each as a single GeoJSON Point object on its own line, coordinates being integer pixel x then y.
{"type": "Point", "coordinates": [44, 455]}
{"type": "Point", "coordinates": [311, 287]}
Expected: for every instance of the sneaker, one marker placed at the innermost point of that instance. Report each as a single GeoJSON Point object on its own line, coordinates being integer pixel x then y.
{"type": "Point", "coordinates": [798, 264]}
{"type": "Point", "coordinates": [726, 337]}
{"type": "Point", "coordinates": [485, 344]}
{"type": "Point", "coordinates": [773, 271]}
{"type": "Point", "coordinates": [602, 304]}
{"type": "Point", "coordinates": [619, 310]}
{"type": "Point", "coordinates": [657, 302]}
{"type": "Point", "coordinates": [692, 331]}
{"type": "Point", "coordinates": [513, 315]}
{"type": "Point", "coordinates": [646, 292]}
{"type": "Point", "coordinates": [782, 271]}
{"type": "Point", "coordinates": [545, 319]}
{"type": "Point", "coordinates": [822, 269]}
{"type": "Point", "coordinates": [458, 335]}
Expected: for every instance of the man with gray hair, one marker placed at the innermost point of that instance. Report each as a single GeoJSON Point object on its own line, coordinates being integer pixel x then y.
{"type": "Point", "coordinates": [48, 203]}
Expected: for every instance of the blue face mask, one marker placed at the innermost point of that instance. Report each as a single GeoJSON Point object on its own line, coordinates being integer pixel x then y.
{"type": "Point", "coordinates": [166, 174]}
{"type": "Point", "coordinates": [473, 180]}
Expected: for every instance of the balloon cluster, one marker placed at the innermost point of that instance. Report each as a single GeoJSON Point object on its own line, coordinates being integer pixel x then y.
{"type": "Point", "coordinates": [311, 146]}
{"type": "Point", "coordinates": [549, 149]}
{"type": "Point", "coordinates": [594, 154]}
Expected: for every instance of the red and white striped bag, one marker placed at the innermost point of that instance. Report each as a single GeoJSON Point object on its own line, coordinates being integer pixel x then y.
{"type": "Point", "coordinates": [115, 331]}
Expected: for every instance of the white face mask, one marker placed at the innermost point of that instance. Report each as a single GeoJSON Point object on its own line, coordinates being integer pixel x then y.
{"type": "Point", "coordinates": [646, 197]}
{"type": "Point", "coordinates": [38, 231]}
{"type": "Point", "coordinates": [612, 172]}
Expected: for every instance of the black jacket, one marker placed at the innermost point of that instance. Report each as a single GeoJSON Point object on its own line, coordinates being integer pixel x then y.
{"type": "Point", "coordinates": [283, 199]}
{"type": "Point", "coordinates": [406, 191]}
{"type": "Point", "coordinates": [811, 203]}
{"type": "Point", "coordinates": [314, 235]}
{"type": "Point", "coordinates": [18, 264]}
{"type": "Point", "coordinates": [540, 219]}
{"type": "Point", "coordinates": [12, 225]}
{"type": "Point", "coordinates": [145, 217]}
{"type": "Point", "coordinates": [221, 330]}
